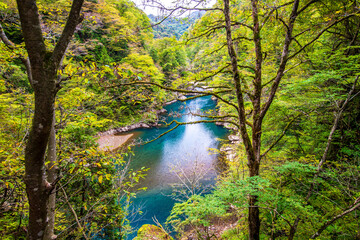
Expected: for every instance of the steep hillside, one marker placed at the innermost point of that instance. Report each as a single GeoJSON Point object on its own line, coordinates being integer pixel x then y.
{"type": "Point", "coordinates": [173, 26]}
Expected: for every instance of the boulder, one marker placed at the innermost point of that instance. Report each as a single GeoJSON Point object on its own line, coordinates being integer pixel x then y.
{"type": "Point", "coordinates": [170, 102]}
{"type": "Point", "coordinates": [234, 138]}
{"type": "Point", "coordinates": [182, 97]}
{"type": "Point", "coordinates": [152, 232]}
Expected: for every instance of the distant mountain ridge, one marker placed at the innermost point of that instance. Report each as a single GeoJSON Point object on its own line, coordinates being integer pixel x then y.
{"type": "Point", "coordinates": [173, 26]}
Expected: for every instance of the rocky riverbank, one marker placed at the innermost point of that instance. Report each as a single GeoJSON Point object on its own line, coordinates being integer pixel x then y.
{"type": "Point", "coordinates": [114, 138]}
{"type": "Point", "coordinates": [229, 150]}
{"type": "Point", "coordinates": [128, 128]}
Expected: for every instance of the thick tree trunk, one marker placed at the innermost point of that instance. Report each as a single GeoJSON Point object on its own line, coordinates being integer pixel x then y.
{"type": "Point", "coordinates": [254, 213]}
{"type": "Point", "coordinates": [37, 187]}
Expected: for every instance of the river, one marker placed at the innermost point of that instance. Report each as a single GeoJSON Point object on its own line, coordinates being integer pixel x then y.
{"type": "Point", "coordinates": [176, 151]}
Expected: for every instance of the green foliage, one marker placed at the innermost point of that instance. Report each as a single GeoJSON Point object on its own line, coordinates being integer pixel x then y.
{"type": "Point", "coordinates": [110, 31]}
{"type": "Point", "coordinates": [14, 118]}
{"type": "Point", "coordinates": [143, 65]}
{"type": "Point", "coordinates": [281, 198]}
{"type": "Point", "coordinates": [150, 231]}
{"type": "Point", "coordinates": [103, 182]}
{"type": "Point", "coordinates": [170, 55]}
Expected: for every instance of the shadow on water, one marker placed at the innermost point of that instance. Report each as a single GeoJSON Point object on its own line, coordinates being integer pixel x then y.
{"type": "Point", "coordinates": [180, 148]}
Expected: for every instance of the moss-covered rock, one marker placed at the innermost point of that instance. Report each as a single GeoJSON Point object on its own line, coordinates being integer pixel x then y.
{"type": "Point", "coordinates": [148, 231]}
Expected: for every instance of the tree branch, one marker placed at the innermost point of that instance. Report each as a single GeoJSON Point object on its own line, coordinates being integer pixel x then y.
{"type": "Point", "coordinates": [10, 45]}
{"type": "Point", "coordinates": [216, 94]}
{"type": "Point", "coordinates": [283, 61]}
{"type": "Point", "coordinates": [179, 124]}
{"type": "Point", "coordinates": [336, 122]}
{"type": "Point", "coordinates": [74, 213]}
{"type": "Point", "coordinates": [323, 159]}
{"type": "Point", "coordinates": [237, 79]}
{"type": "Point", "coordinates": [214, 73]}
{"type": "Point", "coordinates": [65, 38]}
{"type": "Point", "coordinates": [267, 16]}
{"type": "Point", "coordinates": [280, 137]}
{"type": "Point", "coordinates": [306, 6]}
{"type": "Point", "coordinates": [30, 25]}
{"type": "Point", "coordinates": [352, 208]}
{"type": "Point", "coordinates": [321, 33]}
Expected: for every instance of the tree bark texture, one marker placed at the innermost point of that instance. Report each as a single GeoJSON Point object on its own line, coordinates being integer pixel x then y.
{"type": "Point", "coordinates": [51, 170]}
{"type": "Point", "coordinates": [44, 66]}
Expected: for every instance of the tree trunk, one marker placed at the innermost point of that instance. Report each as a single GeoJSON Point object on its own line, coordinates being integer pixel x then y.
{"type": "Point", "coordinates": [51, 177]}
{"type": "Point", "coordinates": [37, 187]}
{"type": "Point", "coordinates": [252, 147]}
{"type": "Point", "coordinates": [254, 213]}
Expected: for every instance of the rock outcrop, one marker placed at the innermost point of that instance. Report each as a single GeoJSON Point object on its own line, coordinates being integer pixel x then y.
{"type": "Point", "coordinates": [129, 128]}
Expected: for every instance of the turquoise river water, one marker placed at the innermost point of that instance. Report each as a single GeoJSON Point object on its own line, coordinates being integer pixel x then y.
{"type": "Point", "coordinates": [180, 148]}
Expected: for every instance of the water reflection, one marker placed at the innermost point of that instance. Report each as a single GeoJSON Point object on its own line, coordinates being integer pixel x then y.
{"type": "Point", "coordinates": [179, 149]}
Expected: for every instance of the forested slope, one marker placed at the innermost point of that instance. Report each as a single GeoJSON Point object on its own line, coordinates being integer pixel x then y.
{"type": "Point", "coordinates": [172, 26]}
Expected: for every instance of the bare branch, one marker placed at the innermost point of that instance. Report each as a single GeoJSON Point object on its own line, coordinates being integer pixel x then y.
{"type": "Point", "coordinates": [208, 32]}
{"type": "Point", "coordinates": [214, 73]}
{"type": "Point", "coordinates": [321, 33]}
{"type": "Point", "coordinates": [9, 44]}
{"type": "Point", "coordinates": [306, 6]}
{"type": "Point", "coordinates": [268, 15]}
{"type": "Point", "coordinates": [301, 33]}
{"type": "Point", "coordinates": [352, 208]}
{"type": "Point", "coordinates": [216, 94]}
{"type": "Point", "coordinates": [281, 136]}
{"type": "Point", "coordinates": [237, 79]}
{"type": "Point", "coordinates": [241, 24]}
{"type": "Point", "coordinates": [162, 7]}
{"type": "Point", "coordinates": [26, 62]}
{"type": "Point", "coordinates": [336, 122]}
{"type": "Point", "coordinates": [283, 61]}
{"type": "Point", "coordinates": [219, 118]}
{"type": "Point", "coordinates": [179, 124]}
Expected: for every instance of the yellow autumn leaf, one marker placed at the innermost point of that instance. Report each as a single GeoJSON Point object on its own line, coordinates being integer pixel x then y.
{"type": "Point", "coordinates": [100, 179]}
